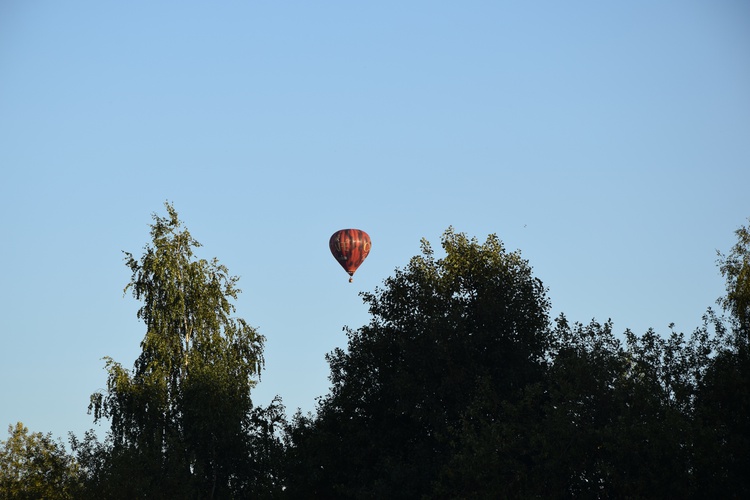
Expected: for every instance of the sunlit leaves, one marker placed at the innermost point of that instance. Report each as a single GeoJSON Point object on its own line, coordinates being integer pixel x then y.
{"type": "Point", "coordinates": [185, 407]}
{"type": "Point", "coordinates": [33, 465]}
{"type": "Point", "coordinates": [735, 268]}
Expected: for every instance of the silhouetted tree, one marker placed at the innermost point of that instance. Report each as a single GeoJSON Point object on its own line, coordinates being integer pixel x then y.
{"type": "Point", "coordinates": [723, 399]}
{"type": "Point", "coordinates": [443, 331]}
{"type": "Point", "coordinates": [459, 387]}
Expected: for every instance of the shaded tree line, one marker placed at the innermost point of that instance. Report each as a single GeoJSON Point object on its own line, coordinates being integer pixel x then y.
{"type": "Point", "coordinates": [460, 386]}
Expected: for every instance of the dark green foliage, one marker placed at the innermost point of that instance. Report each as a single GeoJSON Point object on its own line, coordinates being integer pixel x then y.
{"type": "Point", "coordinates": [266, 463]}
{"type": "Point", "coordinates": [460, 388]}
{"type": "Point", "coordinates": [602, 424]}
{"type": "Point", "coordinates": [723, 394]}
{"type": "Point", "coordinates": [722, 424]}
{"type": "Point", "coordinates": [442, 331]}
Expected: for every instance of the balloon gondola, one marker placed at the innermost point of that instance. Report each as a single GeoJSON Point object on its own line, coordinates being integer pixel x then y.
{"type": "Point", "coordinates": [350, 248]}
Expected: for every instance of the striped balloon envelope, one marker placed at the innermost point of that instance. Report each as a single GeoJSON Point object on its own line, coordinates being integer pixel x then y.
{"type": "Point", "coordinates": [350, 248]}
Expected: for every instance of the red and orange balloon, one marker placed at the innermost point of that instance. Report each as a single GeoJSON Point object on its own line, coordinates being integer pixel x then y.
{"type": "Point", "coordinates": [350, 248]}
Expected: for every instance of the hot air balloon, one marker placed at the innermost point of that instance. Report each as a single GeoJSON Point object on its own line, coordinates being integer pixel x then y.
{"type": "Point", "coordinates": [350, 247]}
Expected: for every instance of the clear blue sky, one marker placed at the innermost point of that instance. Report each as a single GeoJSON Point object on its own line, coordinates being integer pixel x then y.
{"type": "Point", "coordinates": [608, 141]}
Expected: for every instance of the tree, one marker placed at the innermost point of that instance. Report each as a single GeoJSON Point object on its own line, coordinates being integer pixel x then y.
{"type": "Point", "coordinates": [33, 465]}
{"type": "Point", "coordinates": [735, 268]}
{"type": "Point", "coordinates": [608, 420]}
{"type": "Point", "coordinates": [616, 423]}
{"type": "Point", "coordinates": [460, 387]}
{"type": "Point", "coordinates": [442, 331]}
{"type": "Point", "coordinates": [723, 394]}
{"type": "Point", "coordinates": [722, 419]}
{"type": "Point", "coordinates": [180, 420]}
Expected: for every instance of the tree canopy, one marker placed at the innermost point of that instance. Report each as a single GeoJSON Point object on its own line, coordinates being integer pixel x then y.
{"type": "Point", "coordinates": [735, 268]}
{"type": "Point", "coordinates": [443, 332]}
{"type": "Point", "coordinates": [34, 465]}
{"type": "Point", "coordinates": [460, 385]}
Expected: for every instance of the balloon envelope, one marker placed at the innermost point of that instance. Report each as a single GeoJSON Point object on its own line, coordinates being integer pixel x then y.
{"type": "Point", "coordinates": [350, 248]}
